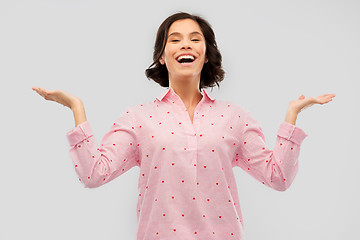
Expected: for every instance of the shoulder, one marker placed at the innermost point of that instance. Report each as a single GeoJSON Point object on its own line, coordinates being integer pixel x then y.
{"type": "Point", "coordinates": [231, 106]}
{"type": "Point", "coordinates": [138, 110]}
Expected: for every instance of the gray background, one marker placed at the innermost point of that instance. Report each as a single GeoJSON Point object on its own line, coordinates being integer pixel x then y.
{"type": "Point", "coordinates": [273, 51]}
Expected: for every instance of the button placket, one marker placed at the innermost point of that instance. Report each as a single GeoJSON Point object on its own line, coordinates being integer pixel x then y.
{"type": "Point", "coordinates": [190, 127]}
{"type": "Point", "coordinates": [194, 125]}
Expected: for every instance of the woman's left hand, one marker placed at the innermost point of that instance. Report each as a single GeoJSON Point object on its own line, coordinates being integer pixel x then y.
{"type": "Point", "coordinates": [302, 103]}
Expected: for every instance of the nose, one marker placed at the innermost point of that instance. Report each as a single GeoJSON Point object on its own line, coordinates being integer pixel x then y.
{"type": "Point", "coordinates": [186, 44]}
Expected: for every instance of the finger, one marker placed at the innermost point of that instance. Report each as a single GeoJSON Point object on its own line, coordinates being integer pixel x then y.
{"type": "Point", "coordinates": [35, 88]}
{"type": "Point", "coordinates": [329, 98]}
{"type": "Point", "coordinates": [38, 91]}
{"type": "Point", "coordinates": [328, 95]}
{"type": "Point", "coordinates": [42, 92]}
{"type": "Point", "coordinates": [326, 100]}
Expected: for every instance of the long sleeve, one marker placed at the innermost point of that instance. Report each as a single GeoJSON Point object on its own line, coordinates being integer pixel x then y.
{"type": "Point", "coordinates": [275, 168]}
{"type": "Point", "coordinates": [117, 153]}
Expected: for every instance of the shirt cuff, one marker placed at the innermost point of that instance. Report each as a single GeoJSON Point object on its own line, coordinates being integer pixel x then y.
{"type": "Point", "coordinates": [291, 132]}
{"type": "Point", "coordinates": [79, 133]}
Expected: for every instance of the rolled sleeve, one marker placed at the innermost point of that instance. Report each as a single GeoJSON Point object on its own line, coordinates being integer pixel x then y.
{"type": "Point", "coordinates": [99, 164]}
{"type": "Point", "coordinates": [79, 133]}
{"type": "Point", "coordinates": [277, 167]}
{"type": "Point", "coordinates": [291, 132]}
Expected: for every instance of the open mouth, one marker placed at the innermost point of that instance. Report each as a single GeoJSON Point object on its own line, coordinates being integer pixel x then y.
{"type": "Point", "coordinates": [186, 59]}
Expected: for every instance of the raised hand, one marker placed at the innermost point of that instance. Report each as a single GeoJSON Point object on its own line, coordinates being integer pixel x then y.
{"type": "Point", "coordinates": [302, 103]}
{"type": "Point", "coordinates": [62, 97]}
{"type": "Point", "coordinates": [296, 106]}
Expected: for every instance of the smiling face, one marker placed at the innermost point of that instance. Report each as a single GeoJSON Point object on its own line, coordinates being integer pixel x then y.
{"type": "Point", "coordinates": [185, 50]}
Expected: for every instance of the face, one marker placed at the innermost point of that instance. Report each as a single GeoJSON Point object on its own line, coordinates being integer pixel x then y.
{"type": "Point", "coordinates": [184, 38]}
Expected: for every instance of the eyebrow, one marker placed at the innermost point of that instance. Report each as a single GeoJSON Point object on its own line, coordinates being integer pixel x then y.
{"type": "Point", "coordinates": [177, 33]}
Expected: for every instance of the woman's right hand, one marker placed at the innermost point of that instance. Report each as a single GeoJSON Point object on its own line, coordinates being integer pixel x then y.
{"type": "Point", "coordinates": [62, 97]}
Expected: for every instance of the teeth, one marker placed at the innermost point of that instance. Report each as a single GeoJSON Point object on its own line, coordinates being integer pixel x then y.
{"type": "Point", "coordinates": [185, 56]}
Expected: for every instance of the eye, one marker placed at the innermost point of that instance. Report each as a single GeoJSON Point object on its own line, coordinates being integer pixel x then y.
{"type": "Point", "coordinates": [174, 40]}
{"type": "Point", "coordinates": [196, 40]}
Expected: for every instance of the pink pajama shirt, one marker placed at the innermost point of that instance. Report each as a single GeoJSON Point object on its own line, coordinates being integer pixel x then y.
{"type": "Point", "coordinates": [187, 189]}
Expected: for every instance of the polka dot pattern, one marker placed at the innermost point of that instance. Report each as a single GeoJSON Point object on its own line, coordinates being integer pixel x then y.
{"type": "Point", "coordinates": [187, 189]}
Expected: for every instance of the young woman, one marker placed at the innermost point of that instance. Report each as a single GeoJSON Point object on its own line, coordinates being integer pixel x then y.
{"type": "Point", "coordinates": [185, 142]}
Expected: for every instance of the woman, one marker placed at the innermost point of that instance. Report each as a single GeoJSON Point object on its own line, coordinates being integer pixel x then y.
{"type": "Point", "coordinates": [185, 142]}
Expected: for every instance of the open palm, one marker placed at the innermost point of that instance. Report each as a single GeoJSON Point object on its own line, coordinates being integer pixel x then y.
{"type": "Point", "coordinates": [59, 96]}
{"type": "Point", "coordinates": [302, 103]}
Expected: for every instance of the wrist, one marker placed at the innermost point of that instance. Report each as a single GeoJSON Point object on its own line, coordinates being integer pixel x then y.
{"type": "Point", "coordinates": [291, 116]}
{"type": "Point", "coordinates": [292, 110]}
{"type": "Point", "coordinates": [76, 105]}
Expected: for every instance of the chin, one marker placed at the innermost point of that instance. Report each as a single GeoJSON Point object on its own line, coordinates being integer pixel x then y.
{"type": "Point", "coordinates": [188, 74]}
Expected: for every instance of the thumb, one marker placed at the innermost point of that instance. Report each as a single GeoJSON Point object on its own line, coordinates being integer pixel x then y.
{"type": "Point", "coordinates": [301, 97]}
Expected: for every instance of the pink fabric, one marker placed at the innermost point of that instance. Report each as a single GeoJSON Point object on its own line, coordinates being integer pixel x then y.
{"type": "Point", "coordinates": [187, 188]}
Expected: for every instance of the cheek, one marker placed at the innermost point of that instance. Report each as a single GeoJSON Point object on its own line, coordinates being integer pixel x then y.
{"type": "Point", "coordinates": [167, 54]}
{"type": "Point", "coordinates": [203, 50]}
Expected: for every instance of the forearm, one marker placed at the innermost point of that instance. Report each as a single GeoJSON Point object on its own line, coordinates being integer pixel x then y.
{"type": "Point", "coordinates": [117, 153]}
{"type": "Point", "coordinates": [291, 116]}
{"type": "Point", "coordinates": [79, 113]}
{"type": "Point", "coordinates": [275, 168]}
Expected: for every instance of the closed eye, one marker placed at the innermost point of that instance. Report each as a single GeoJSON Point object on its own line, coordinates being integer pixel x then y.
{"type": "Point", "coordinates": [175, 40]}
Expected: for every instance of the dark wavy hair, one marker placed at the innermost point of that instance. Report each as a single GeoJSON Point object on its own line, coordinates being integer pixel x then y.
{"type": "Point", "coordinates": [211, 73]}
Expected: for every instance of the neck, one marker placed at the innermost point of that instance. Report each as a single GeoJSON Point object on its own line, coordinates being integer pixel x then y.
{"type": "Point", "coordinates": [187, 89]}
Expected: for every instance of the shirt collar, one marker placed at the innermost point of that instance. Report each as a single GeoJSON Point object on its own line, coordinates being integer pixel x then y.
{"type": "Point", "coordinates": [169, 90]}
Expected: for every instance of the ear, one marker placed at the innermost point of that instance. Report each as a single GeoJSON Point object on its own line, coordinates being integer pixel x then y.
{"type": "Point", "coordinates": [206, 60]}
{"type": "Point", "coordinates": [161, 60]}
